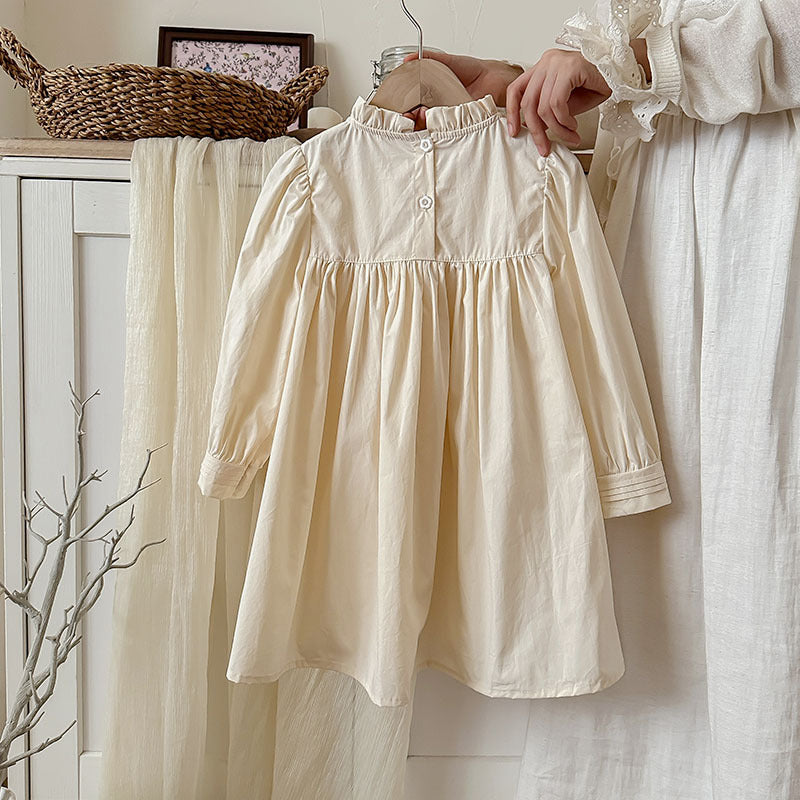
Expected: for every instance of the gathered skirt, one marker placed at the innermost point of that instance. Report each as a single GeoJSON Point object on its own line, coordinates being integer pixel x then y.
{"type": "Point", "coordinates": [430, 497]}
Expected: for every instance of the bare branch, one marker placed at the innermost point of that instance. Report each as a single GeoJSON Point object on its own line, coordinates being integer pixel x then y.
{"type": "Point", "coordinates": [36, 688]}
{"type": "Point", "coordinates": [34, 695]}
{"type": "Point", "coordinates": [114, 506]}
{"type": "Point", "coordinates": [21, 599]}
{"type": "Point", "coordinates": [47, 505]}
{"type": "Point", "coordinates": [38, 749]}
{"type": "Point", "coordinates": [130, 563]}
{"type": "Point", "coordinates": [31, 576]}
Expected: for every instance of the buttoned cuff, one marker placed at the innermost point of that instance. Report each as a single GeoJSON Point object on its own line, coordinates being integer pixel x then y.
{"type": "Point", "coordinates": [224, 479]}
{"type": "Point", "coordinates": [632, 492]}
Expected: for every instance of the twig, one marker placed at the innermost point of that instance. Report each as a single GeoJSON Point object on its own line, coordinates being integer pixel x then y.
{"type": "Point", "coordinates": [36, 685]}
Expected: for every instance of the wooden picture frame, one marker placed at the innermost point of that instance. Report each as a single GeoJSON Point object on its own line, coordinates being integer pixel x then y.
{"type": "Point", "coordinates": [270, 58]}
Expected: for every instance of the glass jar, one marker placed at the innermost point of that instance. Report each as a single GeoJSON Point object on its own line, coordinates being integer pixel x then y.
{"type": "Point", "coordinates": [393, 57]}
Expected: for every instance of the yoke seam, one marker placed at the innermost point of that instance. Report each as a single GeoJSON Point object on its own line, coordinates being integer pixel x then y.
{"type": "Point", "coordinates": [406, 259]}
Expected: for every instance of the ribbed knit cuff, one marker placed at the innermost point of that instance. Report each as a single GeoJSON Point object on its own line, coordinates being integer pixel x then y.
{"type": "Point", "coordinates": [665, 63]}
{"type": "Point", "coordinates": [632, 492]}
{"type": "Point", "coordinates": [224, 479]}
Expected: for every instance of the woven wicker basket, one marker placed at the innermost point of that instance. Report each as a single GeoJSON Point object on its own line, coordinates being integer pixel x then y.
{"type": "Point", "coordinates": [131, 101]}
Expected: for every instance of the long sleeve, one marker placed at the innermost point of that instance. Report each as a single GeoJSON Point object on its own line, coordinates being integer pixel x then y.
{"type": "Point", "coordinates": [718, 60]}
{"type": "Point", "coordinates": [600, 346]}
{"type": "Point", "coordinates": [253, 347]}
{"type": "Point", "coordinates": [710, 60]}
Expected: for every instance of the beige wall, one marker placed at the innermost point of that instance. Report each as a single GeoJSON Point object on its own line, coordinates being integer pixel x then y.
{"type": "Point", "coordinates": [13, 99]}
{"type": "Point", "coordinates": [348, 33]}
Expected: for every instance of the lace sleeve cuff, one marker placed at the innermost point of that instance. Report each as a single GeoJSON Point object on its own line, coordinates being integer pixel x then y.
{"type": "Point", "coordinates": [633, 105]}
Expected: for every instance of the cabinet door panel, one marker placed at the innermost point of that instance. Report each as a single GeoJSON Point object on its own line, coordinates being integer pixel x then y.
{"type": "Point", "coordinates": [74, 245]}
{"type": "Point", "coordinates": [13, 450]}
{"type": "Point", "coordinates": [101, 207]}
{"type": "Point", "coordinates": [101, 266]}
{"type": "Point", "coordinates": [49, 347]}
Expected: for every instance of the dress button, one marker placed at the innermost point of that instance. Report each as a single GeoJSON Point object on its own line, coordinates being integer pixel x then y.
{"type": "Point", "coordinates": [426, 201]}
{"type": "Point", "coordinates": [426, 144]}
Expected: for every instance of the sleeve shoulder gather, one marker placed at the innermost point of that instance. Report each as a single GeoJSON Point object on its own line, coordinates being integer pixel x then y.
{"type": "Point", "coordinates": [254, 344]}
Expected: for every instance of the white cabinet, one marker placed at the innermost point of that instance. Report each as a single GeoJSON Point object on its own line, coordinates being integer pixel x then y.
{"type": "Point", "coordinates": [63, 254]}
{"type": "Point", "coordinates": [63, 258]}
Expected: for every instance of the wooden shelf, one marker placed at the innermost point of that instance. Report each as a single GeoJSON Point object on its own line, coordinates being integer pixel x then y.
{"type": "Point", "coordinates": [90, 148]}
{"type": "Point", "coordinates": [66, 148]}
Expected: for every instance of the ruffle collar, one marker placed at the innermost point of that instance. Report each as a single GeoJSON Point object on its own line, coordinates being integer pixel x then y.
{"type": "Point", "coordinates": [437, 118]}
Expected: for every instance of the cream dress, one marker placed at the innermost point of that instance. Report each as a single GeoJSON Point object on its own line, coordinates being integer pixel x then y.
{"type": "Point", "coordinates": [426, 344]}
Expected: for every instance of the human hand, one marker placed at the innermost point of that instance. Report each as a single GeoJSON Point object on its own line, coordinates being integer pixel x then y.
{"type": "Point", "coordinates": [550, 94]}
{"type": "Point", "coordinates": [480, 76]}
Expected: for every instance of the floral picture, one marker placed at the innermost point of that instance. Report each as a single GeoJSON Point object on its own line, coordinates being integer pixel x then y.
{"type": "Point", "coordinates": [271, 65]}
{"type": "Point", "coordinates": [269, 59]}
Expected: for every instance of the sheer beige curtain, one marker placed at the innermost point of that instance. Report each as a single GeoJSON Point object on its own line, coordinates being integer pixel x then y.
{"type": "Point", "coordinates": [176, 727]}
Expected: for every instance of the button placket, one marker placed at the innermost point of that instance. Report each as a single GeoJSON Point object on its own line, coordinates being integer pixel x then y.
{"type": "Point", "coordinates": [426, 202]}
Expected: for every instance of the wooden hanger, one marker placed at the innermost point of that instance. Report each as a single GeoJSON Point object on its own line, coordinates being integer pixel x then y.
{"type": "Point", "coordinates": [421, 82]}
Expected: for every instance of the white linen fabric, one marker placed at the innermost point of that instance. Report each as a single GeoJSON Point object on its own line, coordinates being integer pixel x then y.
{"type": "Point", "coordinates": [716, 60]}
{"type": "Point", "coordinates": [702, 224]}
{"type": "Point", "coordinates": [177, 729]}
{"type": "Point", "coordinates": [436, 364]}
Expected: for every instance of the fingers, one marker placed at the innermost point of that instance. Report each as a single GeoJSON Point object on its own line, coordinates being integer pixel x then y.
{"type": "Point", "coordinates": [559, 102]}
{"type": "Point", "coordinates": [514, 92]}
{"type": "Point", "coordinates": [553, 106]}
{"type": "Point", "coordinates": [522, 95]}
{"type": "Point", "coordinates": [531, 101]}
{"type": "Point", "coordinates": [549, 93]}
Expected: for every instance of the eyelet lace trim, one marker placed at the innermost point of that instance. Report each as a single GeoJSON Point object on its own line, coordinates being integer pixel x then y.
{"type": "Point", "coordinates": [633, 105]}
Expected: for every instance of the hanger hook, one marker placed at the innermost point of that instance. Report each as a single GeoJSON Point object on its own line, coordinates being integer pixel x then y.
{"type": "Point", "coordinates": [416, 24]}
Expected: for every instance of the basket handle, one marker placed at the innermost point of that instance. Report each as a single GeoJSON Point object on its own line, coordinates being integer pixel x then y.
{"type": "Point", "coordinates": [12, 51]}
{"type": "Point", "coordinates": [304, 86]}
